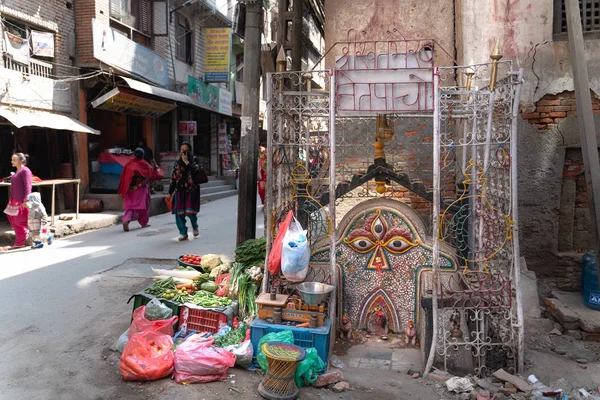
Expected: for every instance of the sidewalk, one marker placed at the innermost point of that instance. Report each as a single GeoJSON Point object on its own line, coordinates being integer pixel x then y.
{"type": "Point", "coordinates": [86, 222]}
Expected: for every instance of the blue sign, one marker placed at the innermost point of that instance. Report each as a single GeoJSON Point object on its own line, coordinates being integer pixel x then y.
{"type": "Point", "coordinates": [216, 76]}
{"type": "Point", "coordinates": [118, 51]}
{"type": "Point", "coordinates": [595, 298]}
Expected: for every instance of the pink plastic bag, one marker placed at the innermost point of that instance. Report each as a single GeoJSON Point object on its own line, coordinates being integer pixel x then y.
{"type": "Point", "coordinates": [141, 324]}
{"type": "Point", "coordinates": [275, 253]}
{"type": "Point", "coordinates": [198, 361]}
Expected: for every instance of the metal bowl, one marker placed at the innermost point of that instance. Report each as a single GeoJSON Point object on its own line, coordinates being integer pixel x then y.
{"type": "Point", "coordinates": [314, 293]}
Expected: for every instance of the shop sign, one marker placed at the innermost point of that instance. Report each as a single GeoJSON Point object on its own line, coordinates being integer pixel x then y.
{"type": "Point", "coordinates": [122, 100]}
{"type": "Point", "coordinates": [42, 43]}
{"type": "Point", "coordinates": [189, 128]}
{"type": "Point", "coordinates": [118, 51]}
{"type": "Point", "coordinates": [209, 96]}
{"type": "Point", "coordinates": [223, 139]}
{"type": "Point", "coordinates": [216, 59]}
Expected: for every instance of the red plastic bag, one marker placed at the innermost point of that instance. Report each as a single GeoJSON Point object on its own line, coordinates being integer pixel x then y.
{"type": "Point", "coordinates": [198, 361]}
{"type": "Point", "coordinates": [147, 357]}
{"type": "Point", "coordinates": [169, 202]}
{"type": "Point", "coordinates": [275, 254]}
{"type": "Point", "coordinates": [141, 324]}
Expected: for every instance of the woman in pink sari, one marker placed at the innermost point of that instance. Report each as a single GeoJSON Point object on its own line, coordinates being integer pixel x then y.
{"type": "Point", "coordinates": [134, 188]}
{"type": "Point", "coordinates": [16, 210]}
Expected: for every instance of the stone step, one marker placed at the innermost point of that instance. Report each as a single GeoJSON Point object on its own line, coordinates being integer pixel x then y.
{"type": "Point", "coordinates": [215, 189]}
{"type": "Point", "coordinates": [218, 195]}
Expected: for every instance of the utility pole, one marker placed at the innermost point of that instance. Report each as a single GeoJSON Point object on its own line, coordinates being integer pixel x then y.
{"type": "Point", "coordinates": [246, 226]}
{"type": "Point", "coordinates": [587, 130]}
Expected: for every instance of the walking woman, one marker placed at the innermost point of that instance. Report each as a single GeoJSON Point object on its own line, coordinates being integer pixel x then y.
{"type": "Point", "coordinates": [16, 210]}
{"type": "Point", "coordinates": [134, 188]}
{"type": "Point", "coordinates": [185, 188]}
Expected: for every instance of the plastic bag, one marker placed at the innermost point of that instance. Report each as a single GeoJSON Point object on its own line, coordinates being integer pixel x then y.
{"type": "Point", "coordinates": [275, 253]}
{"type": "Point", "coordinates": [156, 311]}
{"type": "Point", "coordinates": [295, 254]}
{"type": "Point", "coordinates": [141, 324]}
{"type": "Point", "coordinates": [197, 361]}
{"type": "Point", "coordinates": [286, 336]}
{"type": "Point", "coordinates": [309, 368]}
{"type": "Point", "coordinates": [243, 353]}
{"type": "Point", "coordinates": [122, 341]}
{"type": "Point", "coordinates": [147, 357]}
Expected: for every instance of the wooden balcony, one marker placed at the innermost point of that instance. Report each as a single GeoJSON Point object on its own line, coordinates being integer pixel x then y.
{"type": "Point", "coordinates": [35, 67]}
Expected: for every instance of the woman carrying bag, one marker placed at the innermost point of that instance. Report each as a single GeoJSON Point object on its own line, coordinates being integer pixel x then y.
{"type": "Point", "coordinates": [16, 211]}
{"type": "Point", "coordinates": [185, 188]}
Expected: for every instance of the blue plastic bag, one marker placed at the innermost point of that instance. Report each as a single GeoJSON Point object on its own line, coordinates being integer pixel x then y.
{"type": "Point", "coordinates": [295, 254]}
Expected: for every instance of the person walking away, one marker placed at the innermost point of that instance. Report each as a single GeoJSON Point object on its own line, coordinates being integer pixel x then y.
{"type": "Point", "coordinates": [186, 191]}
{"type": "Point", "coordinates": [134, 188]}
{"type": "Point", "coordinates": [37, 221]}
{"type": "Point", "coordinates": [262, 174]}
{"type": "Point", "coordinates": [16, 210]}
{"type": "Point", "coordinates": [148, 156]}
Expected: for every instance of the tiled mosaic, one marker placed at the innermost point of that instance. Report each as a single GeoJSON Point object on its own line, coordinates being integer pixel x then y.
{"type": "Point", "coordinates": [381, 254]}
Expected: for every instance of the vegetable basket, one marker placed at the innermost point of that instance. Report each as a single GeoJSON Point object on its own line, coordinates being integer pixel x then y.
{"type": "Point", "coordinates": [184, 264]}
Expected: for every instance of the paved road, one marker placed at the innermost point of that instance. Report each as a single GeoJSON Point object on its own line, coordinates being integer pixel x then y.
{"type": "Point", "coordinates": [60, 309]}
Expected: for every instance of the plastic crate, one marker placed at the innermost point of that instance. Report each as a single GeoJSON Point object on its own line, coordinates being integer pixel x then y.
{"type": "Point", "coordinates": [304, 337]}
{"type": "Point", "coordinates": [111, 168]}
{"type": "Point", "coordinates": [201, 320]}
{"type": "Point", "coordinates": [142, 298]}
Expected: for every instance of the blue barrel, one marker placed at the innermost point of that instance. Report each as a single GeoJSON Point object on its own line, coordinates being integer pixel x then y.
{"type": "Point", "coordinates": [591, 289]}
{"type": "Point", "coordinates": [585, 260]}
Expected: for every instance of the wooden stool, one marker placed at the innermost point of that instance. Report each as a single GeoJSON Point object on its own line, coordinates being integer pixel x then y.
{"type": "Point", "coordinates": [283, 359]}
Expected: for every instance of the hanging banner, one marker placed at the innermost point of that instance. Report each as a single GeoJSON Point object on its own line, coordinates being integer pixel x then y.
{"type": "Point", "coordinates": [17, 47]}
{"type": "Point", "coordinates": [209, 96]}
{"type": "Point", "coordinates": [42, 43]}
{"type": "Point", "coordinates": [189, 128]}
{"type": "Point", "coordinates": [216, 59]}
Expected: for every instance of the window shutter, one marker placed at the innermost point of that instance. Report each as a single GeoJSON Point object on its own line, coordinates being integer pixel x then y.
{"type": "Point", "coordinates": [190, 44]}
{"type": "Point", "coordinates": [145, 16]}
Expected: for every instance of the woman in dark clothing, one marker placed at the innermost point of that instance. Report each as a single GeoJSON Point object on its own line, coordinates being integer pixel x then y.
{"type": "Point", "coordinates": [186, 191]}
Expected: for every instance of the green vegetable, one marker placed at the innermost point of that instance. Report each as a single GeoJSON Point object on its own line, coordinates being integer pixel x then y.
{"type": "Point", "coordinates": [161, 286]}
{"type": "Point", "coordinates": [234, 336]}
{"type": "Point", "coordinates": [209, 286]}
{"type": "Point", "coordinates": [201, 279]}
{"type": "Point", "coordinates": [206, 299]}
{"type": "Point", "coordinates": [252, 252]}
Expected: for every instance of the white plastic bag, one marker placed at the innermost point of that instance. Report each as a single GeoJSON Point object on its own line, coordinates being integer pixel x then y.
{"type": "Point", "coordinates": [243, 353]}
{"type": "Point", "coordinates": [122, 341]}
{"type": "Point", "coordinates": [295, 254]}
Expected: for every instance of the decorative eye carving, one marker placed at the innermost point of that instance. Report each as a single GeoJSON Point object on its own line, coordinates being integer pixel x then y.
{"type": "Point", "coordinates": [399, 245]}
{"type": "Point", "coordinates": [379, 228]}
{"type": "Point", "coordinates": [361, 244]}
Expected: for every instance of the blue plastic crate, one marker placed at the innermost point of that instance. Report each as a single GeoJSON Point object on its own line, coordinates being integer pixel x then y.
{"type": "Point", "coordinates": [112, 168]}
{"type": "Point", "coordinates": [303, 337]}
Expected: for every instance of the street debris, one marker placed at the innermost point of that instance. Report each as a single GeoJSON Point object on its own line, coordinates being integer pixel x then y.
{"type": "Point", "coordinates": [459, 385]}
{"type": "Point", "coordinates": [341, 387]}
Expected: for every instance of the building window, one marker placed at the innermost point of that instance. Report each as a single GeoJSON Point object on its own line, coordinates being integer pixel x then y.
{"type": "Point", "coordinates": [39, 52]}
{"type": "Point", "coordinates": [132, 17]}
{"type": "Point", "coordinates": [239, 67]}
{"type": "Point", "coordinates": [590, 16]}
{"type": "Point", "coordinates": [184, 39]}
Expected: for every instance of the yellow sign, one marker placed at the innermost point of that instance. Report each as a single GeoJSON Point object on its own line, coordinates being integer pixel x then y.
{"type": "Point", "coordinates": [125, 101]}
{"type": "Point", "coordinates": [216, 59]}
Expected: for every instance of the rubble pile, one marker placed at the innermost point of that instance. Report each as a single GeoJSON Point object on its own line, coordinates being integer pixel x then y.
{"type": "Point", "coordinates": [572, 317]}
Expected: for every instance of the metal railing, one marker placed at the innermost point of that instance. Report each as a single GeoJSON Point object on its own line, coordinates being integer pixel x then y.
{"type": "Point", "coordinates": [35, 67]}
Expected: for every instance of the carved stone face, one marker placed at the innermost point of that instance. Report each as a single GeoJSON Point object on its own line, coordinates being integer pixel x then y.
{"type": "Point", "coordinates": [381, 253]}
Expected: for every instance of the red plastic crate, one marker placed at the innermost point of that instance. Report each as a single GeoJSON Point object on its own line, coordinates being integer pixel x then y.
{"type": "Point", "coordinates": [195, 319]}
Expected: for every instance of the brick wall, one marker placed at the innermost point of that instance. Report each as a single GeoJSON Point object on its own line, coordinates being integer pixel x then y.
{"type": "Point", "coordinates": [552, 108]}
{"type": "Point", "coordinates": [85, 11]}
{"type": "Point", "coordinates": [49, 15]}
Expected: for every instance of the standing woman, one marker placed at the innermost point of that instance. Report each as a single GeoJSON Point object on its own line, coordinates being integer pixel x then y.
{"type": "Point", "coordinates": [185, 188]}
{"type": "Point", "coordinates": [16, 210]}
{"type": "Point", "coordinates": [134, 188]}
{"type": "Point", "coordinates": [262, 173]}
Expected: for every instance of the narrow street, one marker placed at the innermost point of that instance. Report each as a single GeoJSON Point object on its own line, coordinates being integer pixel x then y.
{"type": "Point", "coordinates": [64, 306]}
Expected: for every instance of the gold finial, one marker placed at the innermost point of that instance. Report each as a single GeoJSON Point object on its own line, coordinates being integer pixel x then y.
{"type": "Point", "coordinates": [495, 56]}
{"type": "Point", "coordinates": [281, 67]}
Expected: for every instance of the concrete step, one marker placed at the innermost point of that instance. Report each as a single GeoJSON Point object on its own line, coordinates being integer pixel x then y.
{"type": "Point", "coordinates": [215, 189]}
{"type": "Point", "coordinates": [218, 195]}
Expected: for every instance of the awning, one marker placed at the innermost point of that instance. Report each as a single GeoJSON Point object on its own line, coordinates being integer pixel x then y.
{"type": "Point", "coordinates": [156, 91]}
{"type": "Point", "coordinates": [44, 119]}
{"type": "Point", "coordinates": [127, 101]}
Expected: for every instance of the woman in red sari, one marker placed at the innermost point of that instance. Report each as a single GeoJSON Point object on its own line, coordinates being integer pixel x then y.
{"type": "Point", "coordinates": [262, 173]}
{"type": "Point", "coordinates": [16, 210]}
{"type": "Point", "coordinates": [134, 188]}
